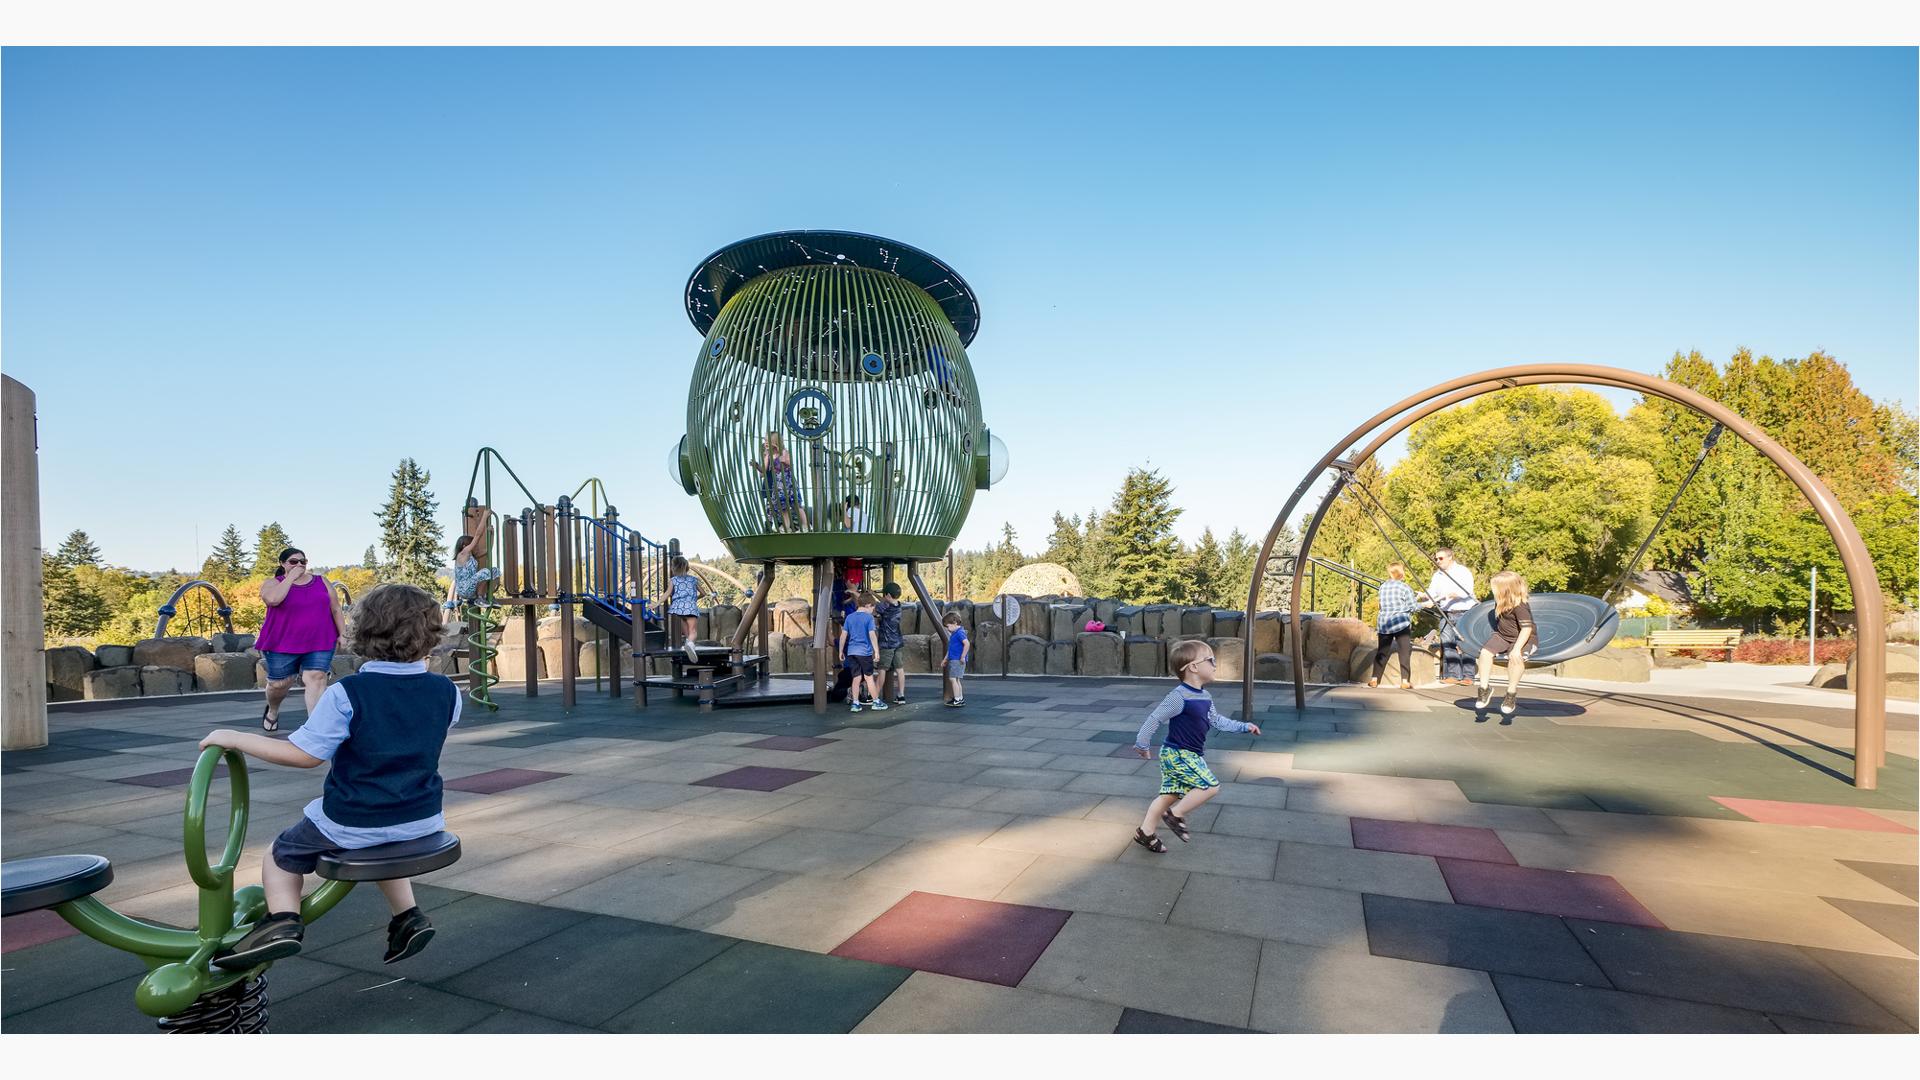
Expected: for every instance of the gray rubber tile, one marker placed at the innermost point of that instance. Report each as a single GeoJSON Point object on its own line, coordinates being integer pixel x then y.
{"type": "Point", "coordinates": [1142, 1022]}
{"type": "Point", "coordinates": [1888, 980]}
{"type": "Point", "coordinates": [62, 969]}
{"type": "Point", "coordinates": [755, 988]}
{"type": "Point", "coordinates": [360, 1003]}
{"type": "Point", "coordinates": [1543, 1006]}
{"type": "Point", "coordinates": [1490, 939]}
{"type": "Point", "coordinates": [467, 933]}
{"type": "Point", "coordinates": [1895, 922]}
{"type": "Point", "coordinates": [1902, 878]}
{"type": "Point", "coordinates": [589, 972]}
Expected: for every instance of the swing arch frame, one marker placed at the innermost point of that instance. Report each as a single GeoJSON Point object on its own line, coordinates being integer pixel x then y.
{"type": "Point", "coordinates": [1869, 698]}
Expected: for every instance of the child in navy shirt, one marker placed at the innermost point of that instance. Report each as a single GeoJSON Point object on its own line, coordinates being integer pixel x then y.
{"type": "Point", "coordinates": [1185, 780]}
{"type": "Point", "coordinates": [958, 649]}
{"type": "Point", "coordinates": [382, 729]}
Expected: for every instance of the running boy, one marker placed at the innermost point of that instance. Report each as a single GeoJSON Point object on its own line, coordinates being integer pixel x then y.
{"type": "Point", "coordinates": [858, 642]}
{"type": "Point", "coordinates": [886, 617]}
{"type": "Point", "coordinates": [382, 729]}
{"type": "Point", "coordinates": [1185, 780]}
{"type": "Point", "coordinates": [684, 600]}
{"type": "Point", "coordinates": [958, 649]}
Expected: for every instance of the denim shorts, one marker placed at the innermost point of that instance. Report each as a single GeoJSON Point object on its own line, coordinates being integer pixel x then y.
{"type": "Point", "coordinates": [956, 670]}
{"type": "Point", "coordinates": [282, 665]}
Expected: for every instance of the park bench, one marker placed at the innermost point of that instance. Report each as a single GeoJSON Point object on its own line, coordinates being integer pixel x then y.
{"type": "Point", "coordinates": [1694, 639]}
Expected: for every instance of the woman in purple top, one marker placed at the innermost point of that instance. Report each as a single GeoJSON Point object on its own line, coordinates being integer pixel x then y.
{"type": "Point", "coordinates": [304, 623]}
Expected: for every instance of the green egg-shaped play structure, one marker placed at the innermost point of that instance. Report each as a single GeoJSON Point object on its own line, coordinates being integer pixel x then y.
{"type": "Point", "coordinates": [832, 410]}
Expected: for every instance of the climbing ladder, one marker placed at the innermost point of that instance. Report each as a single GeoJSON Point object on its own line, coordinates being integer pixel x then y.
{"type": "Point", "coordinates": [481, 622]}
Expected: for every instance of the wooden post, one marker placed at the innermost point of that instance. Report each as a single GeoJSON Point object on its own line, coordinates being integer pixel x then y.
{"type": "Point", "coordinates": [569, 648]}
{"type": "Point", "coordinates": [766, 620]}
{"type": "Point", "coordinates": [24, 638]}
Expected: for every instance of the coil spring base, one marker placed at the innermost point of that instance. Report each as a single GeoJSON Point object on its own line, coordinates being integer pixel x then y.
{"type": "Point", "coordinates": [480, 676]}
{"type": "Point", "coordinates": [240, 1009]}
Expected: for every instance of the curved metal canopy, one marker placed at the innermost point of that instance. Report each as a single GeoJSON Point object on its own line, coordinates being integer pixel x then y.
{"type": "Point", "coordinates": [722, 273]}
{"type": "Point", "coordinates": [1566, 624]}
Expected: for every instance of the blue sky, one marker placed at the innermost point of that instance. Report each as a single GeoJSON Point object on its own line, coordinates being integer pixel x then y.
{"type": "Point", "coordinates": [244, 284]}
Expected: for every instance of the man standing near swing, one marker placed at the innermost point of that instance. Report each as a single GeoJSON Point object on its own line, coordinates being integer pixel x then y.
{"type": "Point", "coordinates": [1451, 591]}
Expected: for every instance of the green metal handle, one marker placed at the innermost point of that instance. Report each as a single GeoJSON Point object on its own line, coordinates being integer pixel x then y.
{"type": "Point", "coordinates": [195, 831]}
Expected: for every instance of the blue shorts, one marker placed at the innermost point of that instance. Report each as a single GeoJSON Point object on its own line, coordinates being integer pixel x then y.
{"type": "Point", "coordinates": [1182, 771]}
{"type": "Point", "coordinates": [298, 850]}
{"type": "Point", "coordinates": [282, 665]}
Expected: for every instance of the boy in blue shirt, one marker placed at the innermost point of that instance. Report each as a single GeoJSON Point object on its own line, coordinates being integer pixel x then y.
{"type": "Point", "coordinates": [1185, 780]}
{"type": "Point", "coordinates": [958, 649]}
{"type": "Point", "coordinates": [382, 729]}
{"type": "Point", "coordinates": [859, 640]}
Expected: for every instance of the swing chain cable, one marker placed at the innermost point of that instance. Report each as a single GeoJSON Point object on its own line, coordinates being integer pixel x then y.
{"type": "Point", "coordinates": [1365, 496]}
{"type": "Point", "coordinates": [1626, 571]}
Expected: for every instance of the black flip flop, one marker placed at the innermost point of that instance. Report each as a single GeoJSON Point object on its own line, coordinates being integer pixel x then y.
{"type": "Point", "coordinates": [268, 721]}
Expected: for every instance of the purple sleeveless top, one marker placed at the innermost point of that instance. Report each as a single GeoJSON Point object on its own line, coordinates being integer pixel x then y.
{"type": "Point", "coordinates": [302, 623]}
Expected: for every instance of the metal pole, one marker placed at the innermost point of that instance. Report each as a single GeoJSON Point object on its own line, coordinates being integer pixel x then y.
{"type": "Point", "coordinates": [822, 631]}
{"type": "Point", "coordinates": [949, 577]}
{"type": "Point", "coordinates": [569, 648]}
{"type": "Point", "coordinates": [1813, 591]}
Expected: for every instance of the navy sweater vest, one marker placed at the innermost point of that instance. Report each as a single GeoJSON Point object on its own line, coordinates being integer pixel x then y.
{"type": "Point", "coordinates": [386, 772]}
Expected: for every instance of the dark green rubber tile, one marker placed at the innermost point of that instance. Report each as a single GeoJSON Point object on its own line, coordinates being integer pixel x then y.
{"type": "Point", "coordinates": [589, 972]}
{"type": "Point", "coordinates": [1489, 939]}
{"type": "Point", "coordinates": [1888, 980]}
{"type": "Point", "coordinates": [1543, 1006]}
{"type": "Point", "coordinates": [365, 911]}
{"type": "Point", "coordinates": [514, 1022]}
{"type": "Point", "coordinates": [1142, 1022]}
{"type": "Point", "coordinates": [358, 1003]}
{"type": "Point", "coordinates": [1760, 976]}
{"type": "Point", "coordinates": [105, 1010]}
{"type": "Point", "coordinates": [756, 988]}
{"type": "Point", "coordinates": [467, 933]}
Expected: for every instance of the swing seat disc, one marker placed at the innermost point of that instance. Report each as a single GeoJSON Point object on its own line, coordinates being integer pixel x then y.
{"type": "Point", "coordinates": [1566, 625]}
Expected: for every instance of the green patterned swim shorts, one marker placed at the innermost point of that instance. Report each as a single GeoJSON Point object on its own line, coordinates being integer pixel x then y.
{"type": "Point", "coordinates": [1183, 770]}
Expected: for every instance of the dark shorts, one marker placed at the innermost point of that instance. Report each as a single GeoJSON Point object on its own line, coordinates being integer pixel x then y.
{"type": "Point", "coordinates": [282, 665]}
{"type": "Point", "coordinates": [860, 665]}
{"type": "Point", "coordinates": [889, 657]}
{"type": "Point", "coordinates": [298, 850]}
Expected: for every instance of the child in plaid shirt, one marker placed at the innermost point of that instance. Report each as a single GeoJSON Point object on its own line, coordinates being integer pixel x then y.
{"type": "Point", "coordinates": [1185, 780]}
{"type": "Point", "coordinates": [1395, 625]}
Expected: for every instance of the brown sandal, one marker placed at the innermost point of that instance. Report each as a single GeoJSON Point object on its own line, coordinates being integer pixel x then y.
{"type": "Point", "coordinates": [1176, 823]}
{"type": "Point", "coordinates": [1150, 841]}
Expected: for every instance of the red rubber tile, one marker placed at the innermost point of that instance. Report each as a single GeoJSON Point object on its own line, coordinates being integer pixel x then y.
{"type": "Point", "coordinates": [169, 778]}
{"type": "Point", "coordinates": [983, 940]}
{"type": "Point", "coordinates": [1549, 892]}
{"type": "Point", "coordinates": [33, 928]}
{"type": "Point", "coordinates": [1816, 815]}
{"type": "Point", "coordinates": [756, 778]}
{"type": "Point", "coordinates": [499, 780]}
{"type": "Point", "coordinates": [795, 743]}
{"type": "Point", "coordinates": [1415, 838]}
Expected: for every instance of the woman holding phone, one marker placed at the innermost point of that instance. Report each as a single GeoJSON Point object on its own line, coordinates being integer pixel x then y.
{"type": "Point", "coordinates": [304, 625]}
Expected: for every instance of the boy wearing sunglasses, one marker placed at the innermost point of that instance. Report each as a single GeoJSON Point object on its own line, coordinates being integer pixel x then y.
{"type": "Point", "coordinates": [1185, 780]}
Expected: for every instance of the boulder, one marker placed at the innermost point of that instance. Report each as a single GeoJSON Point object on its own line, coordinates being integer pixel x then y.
{"type": "Point", "coordinates": [1026, 654]}
{"type": "Point", "coordinates": [799, 654]}
{"type": "Point", "coordinates": [916, 653]}
{"type": "Point", "coordinates": [591, 659]}
{"type": "Point", "coordinates": [1903, 670]}
{"type": "Point", "coordinates": [1905, 626]}
{"type": "Point", "coordinates": [67, 667]}
{"type": "Point", "coordinates": [1267, 632]}
{"type": "Point", "coordinates": [1608, 665]}
{"type": "Point", "coordinates": [213, 672]}
{"type": "Point", "coordinates": [446, 659]}
{"type": "Point", "coordinates": [1327, 672]}
{"type": "Point", "coordinates": [510, 663]}
{"type": "Point", "coordinates": [1146, 657]}
{"type": "Point", "coordinates": [1664, 658]}
{"type": "Point", "coordinates": [1829, 677]}
{"type": "Point", "coordinates": [156, 680]}
{"type": "Point", "coordinates": [107, 656]}
{"type": "Point", "coordinates": [910, 619]}
{"type": "Point", "coordinates": [1334, 639]}
{"type": "Point", "coordinates": [550, 629]}
{"type": "Point", "coordinates": [967, 612]}
{"type": "Point", "coordinates": [723, 621]}
{"type": "Point", "coordinates": [1066, 621]}
{"type": "Point", "coordinates": [794, 618]}
{"type": "Point", "coordinates": [1273, 667]}
{"type": "Point", "coordinates": [1230, 658]}
{"type": "Point", "coordinates": [1099, 654]}
{"type": "Point", "coordinates": [986, 644]}
{"type": "Point", "coordinates": [120, 681]}
{"type": "Point", "coordinates": [1107, 611]}
{"type": "Point", "coordinates": [1035, 620]}
{"type": "Point", "coordinates": [224, 642]}
{"type": "Point", "coordinates": [1157, 618]}
{"type": "Point", "coordinates": [1196, 621]}
{"type": "Point", "coordinates": [1426, 667]}
{"type": "Point", "coordinates": [777, 653]}
{"type": "Point", "coordinates": [1060, 656]}
{"type": "Point", "coordinates": [173, 652]}
{"type": "Point", "coordinates": [1228, 623]}
{"type": "Point", "coordinates": [1129, 620]}
{"type": "Point", "coordinates": [345, 664]}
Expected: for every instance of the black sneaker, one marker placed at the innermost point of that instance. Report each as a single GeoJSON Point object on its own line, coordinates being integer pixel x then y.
{"type": "Point", "coordinates": [899, 701]}
{"type": "Point", "coordinates": [407, 934]}
{"type": "Point", "coordinates": [275, 937]}
{"type": "Point", "coordinates": [1509, 704]}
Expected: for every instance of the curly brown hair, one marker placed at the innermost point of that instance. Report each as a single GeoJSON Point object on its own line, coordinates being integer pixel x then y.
{"type": "Point", "coordinates": [398, 623]}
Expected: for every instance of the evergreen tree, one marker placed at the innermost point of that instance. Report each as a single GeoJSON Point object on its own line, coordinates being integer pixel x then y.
{"type": "Point", "coordinates": [370, 559]}
{"type": "Point", "coordinates": [1206, 572]}
{"type": "Point", "coordinates": [1064, 545]}
{"type": "Point", "coordinates": [268, 543]}
{"type": "Point", "coordinates": [78, 550]}
{"type": "Point", "coordinates": [1237, 576]}
{"type": "Point", "coordinates": [408, 531]}
{"type": "Point", "coordinates": [70, 609]}
{"type": "Point", "coordinates": [1004, 558]}
{"type": "Point", "coordinates": [1146, 555]}
{"type": "Point", "coordinates": [1277, 581]}
{"type": "Point", "coordinates": [230, 560]}
{"type": "Point", "coordinates": [1095, 568]}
